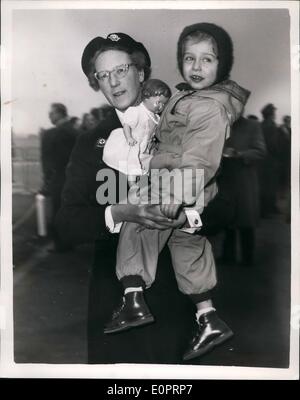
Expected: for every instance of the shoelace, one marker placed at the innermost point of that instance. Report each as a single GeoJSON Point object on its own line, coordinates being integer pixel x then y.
{"type": "Point", "coordinates": [117, 311]}
{"type": "Point", "coordinates": [201, 324]}
{"type": "Point", "coordinates": [196, 331]}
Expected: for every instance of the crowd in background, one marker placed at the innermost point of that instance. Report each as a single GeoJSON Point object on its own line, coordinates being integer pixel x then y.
{"type": "Point", "coordinates": [56, 145]}
{"type": "Point", "coordinates": [90, 120]}
{"type": "Point", "coordinates": [256, 168]}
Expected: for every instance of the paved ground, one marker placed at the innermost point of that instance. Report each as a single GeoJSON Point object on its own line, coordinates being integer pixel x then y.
{"type": "Point", "coordinates": [50, 301]}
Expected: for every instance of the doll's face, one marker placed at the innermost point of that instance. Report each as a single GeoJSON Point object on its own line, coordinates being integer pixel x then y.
{"type": "Point", "coordinates": [156, 104]}
{"type": "Point", "coordinates": [200, 64]}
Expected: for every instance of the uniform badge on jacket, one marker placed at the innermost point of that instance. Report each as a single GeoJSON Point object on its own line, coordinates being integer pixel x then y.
{"type": "Point", "coordinates": [100, 142]}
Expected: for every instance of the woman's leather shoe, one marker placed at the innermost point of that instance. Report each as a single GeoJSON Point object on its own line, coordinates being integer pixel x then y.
{"type": "Point", "coordinates": [132, 312]}
{"type": "Point", "coordinates": [211, 332]}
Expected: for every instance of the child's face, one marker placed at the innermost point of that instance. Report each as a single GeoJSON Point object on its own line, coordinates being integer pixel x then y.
{"type": "Point", "coordinates": [200, 64]}
{"type": "Point", "coordinates": [156, 103]}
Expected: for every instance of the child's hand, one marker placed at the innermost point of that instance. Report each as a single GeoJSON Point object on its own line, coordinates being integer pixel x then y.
{"type": "Point", "coordinates": [170, 210]}
{"type": "Point", "coordinates": [131, 141]}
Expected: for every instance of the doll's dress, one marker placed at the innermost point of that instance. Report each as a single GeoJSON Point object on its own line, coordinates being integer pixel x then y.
{"type": "Point", "coordinates": [132, 160]}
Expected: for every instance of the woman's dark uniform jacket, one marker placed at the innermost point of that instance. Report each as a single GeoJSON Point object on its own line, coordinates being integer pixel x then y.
{"type": "Point", "coordinates": [81, 220]}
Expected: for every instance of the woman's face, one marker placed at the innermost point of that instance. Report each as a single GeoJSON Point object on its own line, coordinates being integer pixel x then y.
{"type": "Point", "coordinates": [122, 92]}
{"type": "Point", "coordinates": [200, 64]}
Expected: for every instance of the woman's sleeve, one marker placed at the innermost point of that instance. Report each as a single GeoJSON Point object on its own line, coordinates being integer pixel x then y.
{"type": "Point", "coordinates": [203, 141]}
{"type": "Point", "coordinates": [80, 218]}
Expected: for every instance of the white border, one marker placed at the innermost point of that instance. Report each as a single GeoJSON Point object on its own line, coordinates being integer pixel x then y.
{"type": "Point", "coordinates": [7, 366]}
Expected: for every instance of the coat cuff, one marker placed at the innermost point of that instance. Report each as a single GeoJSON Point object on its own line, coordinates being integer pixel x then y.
{"type": "Point", "coordinates": [110, 223]}
{"type": "Point", "coordinates": [194, 221]}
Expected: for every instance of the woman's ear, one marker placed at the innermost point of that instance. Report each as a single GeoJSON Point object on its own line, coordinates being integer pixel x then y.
{"type": "Point", "coordinates": [141, 76]}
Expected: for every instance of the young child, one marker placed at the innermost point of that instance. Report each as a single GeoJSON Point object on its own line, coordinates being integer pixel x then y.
{"type": "Point", "coordinates": [129, 151]}
{"type": "Point", "coordinates": [191, 136]}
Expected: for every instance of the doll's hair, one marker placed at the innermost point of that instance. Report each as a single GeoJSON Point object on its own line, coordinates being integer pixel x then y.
{"type": "Point", "coordinates": [138, 58]}
{"type": "Point", "coordinates": [155, 87]}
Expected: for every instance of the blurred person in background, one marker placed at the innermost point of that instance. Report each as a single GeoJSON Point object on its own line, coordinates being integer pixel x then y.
{"type": "Point", "coordinates": [269, 168]}
{"type": "Point", "coordinates": [95, 116]}
{"type": "Point", "coordinates": [253, 117]}
{"type": "Point", "coordinates": [75, 122]}
{"type": "Point", "coordinates": [56, 147]}
{"type": "Point", "coordinates": [242, 151]}
{"type": "Point", "coordinates": [96, 113]}
{"type": "Point", "coordinates": [105, 112]}
{"type": "Point", "coordinates": [89, 122]}
{"type": "Point", "coordinates": [284, 144]}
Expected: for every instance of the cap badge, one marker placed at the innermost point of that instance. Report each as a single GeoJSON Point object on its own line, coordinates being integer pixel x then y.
{"type": "Point", "coordinates": [114, 37]}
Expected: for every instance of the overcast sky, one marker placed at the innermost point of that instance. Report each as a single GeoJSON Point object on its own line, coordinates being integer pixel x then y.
{"type": "Point", "coordinates": [48, 44]}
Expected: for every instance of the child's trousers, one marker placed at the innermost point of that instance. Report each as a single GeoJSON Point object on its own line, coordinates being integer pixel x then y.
{"type": "Point", "coordinates": [192, 257]}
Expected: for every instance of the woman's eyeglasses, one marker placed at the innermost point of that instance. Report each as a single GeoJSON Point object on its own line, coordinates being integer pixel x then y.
{"type": "Point", "coordinates": [120, 71]}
